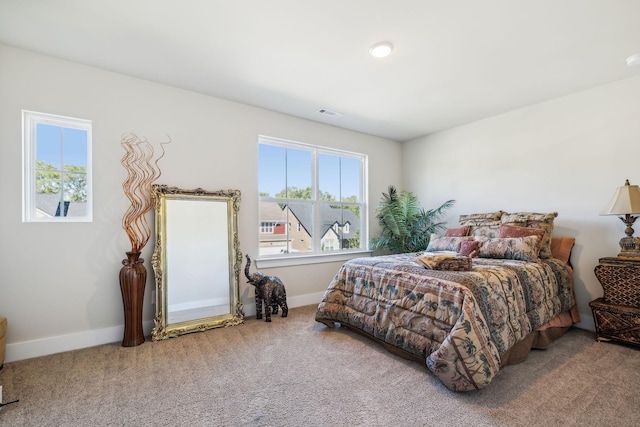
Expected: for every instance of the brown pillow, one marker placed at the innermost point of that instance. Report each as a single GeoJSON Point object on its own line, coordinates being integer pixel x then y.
{"type": "Point", "coordinates": [469, 248]}
{"type": "Point", "coordinates": [561, 248]}
{"type": "Point", "coordinates": [458, 232]}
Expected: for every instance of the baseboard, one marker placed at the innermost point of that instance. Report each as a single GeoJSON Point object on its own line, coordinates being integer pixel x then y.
{"type": "Point", "coordinates": [58, 344]}
{"type": "Point", "coordinates": [61, 343]}
{"type": "Point", "coordinates": [586, 322]}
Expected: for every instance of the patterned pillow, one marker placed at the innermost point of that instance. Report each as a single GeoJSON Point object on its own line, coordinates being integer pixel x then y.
{"type": "Point", "coordinates": [488, 230]}
{"type": "Point", "coordinates": [470, 248]}
{"type": "Point", "coordinates": [458, 232]}
{"type": "Point", "coordinates": [516, 231]}
{"type": "Point", "coordinates": [443, 243]}
{"type": "Point", "coordinates": [478, 218]}
{"type": "Point", "coordinates": [518, 248]}
{"type": "Point", "coordinates": [534, 220]}
{"type": "Point", "coordinates": [484, 225]}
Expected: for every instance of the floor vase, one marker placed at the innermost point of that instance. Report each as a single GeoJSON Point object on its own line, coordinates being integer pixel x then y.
{"type": "Point", "coordinates": [133, 277]}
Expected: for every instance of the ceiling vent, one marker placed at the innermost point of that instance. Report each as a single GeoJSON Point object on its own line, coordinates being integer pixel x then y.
{"type": "Point", "coordinates": [330, 113]}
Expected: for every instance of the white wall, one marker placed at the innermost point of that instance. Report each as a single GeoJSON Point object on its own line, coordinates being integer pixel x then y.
{"type": "Point", "coordinates": [59, 284]}
{"type": "Point", "coordinates": [566, 155]}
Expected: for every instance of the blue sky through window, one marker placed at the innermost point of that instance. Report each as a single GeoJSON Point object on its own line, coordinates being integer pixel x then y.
{"type": "Point", "coordinates": [282, 167]}
{"type": "Point", "coordinates": [50, 144]}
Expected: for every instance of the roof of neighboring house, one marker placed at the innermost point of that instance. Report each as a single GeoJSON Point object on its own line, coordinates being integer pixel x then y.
{"type": "Point", "coordinates": [48, 205]}
{"type": "Point", "coordinates": [330, 216]}
{"type": "Point", "coordinates": [272, 212]}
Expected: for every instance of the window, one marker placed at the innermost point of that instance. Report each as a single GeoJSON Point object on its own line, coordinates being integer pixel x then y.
{"type": "Point", "coordinates": [267, 227]}
{"type": "Point", "coordinates": [321, 190]}
{"type": "Point", "coordinates": [56, 182]}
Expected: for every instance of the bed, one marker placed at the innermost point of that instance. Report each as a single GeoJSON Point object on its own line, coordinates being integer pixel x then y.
{"type": "Point", "coordinates": [507, 295]}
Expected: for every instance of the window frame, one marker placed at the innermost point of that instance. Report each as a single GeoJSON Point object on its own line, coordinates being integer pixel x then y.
{"type": "Point", "coordinates": [30, 121]}
{"type": "Point", "coordinates": [317, 255]}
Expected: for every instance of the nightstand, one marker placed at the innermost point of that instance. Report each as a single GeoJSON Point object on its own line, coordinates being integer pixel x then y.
{"type": "Point", "coordinates": [617, 313]}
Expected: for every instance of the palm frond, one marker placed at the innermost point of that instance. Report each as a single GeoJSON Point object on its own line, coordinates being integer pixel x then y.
{"type": "Point", "coordinates": [405, 226]}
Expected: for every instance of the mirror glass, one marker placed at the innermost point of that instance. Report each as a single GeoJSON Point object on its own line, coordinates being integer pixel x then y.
{"type": "Point", "coordinates": [196, 260]}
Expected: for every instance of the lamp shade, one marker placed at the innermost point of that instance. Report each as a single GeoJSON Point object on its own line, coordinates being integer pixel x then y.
{"type": "Point", "coordinates": [626, 200]}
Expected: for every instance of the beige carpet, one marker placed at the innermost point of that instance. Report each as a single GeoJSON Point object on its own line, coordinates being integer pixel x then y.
{"type": "Point", "coordinates": [296, 372]}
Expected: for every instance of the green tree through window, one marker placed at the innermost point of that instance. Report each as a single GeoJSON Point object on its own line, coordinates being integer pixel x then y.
{"type": "Point", "coordinates": [73, 181]}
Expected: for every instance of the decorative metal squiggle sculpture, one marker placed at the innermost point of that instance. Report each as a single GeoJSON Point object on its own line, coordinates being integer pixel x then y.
{"type": "Point", "coordinates": [142, 171]}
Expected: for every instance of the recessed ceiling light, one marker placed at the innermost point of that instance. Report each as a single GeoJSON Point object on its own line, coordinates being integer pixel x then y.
{"type": "Point", "coordinates": [633, 60]}
{"type": "Point", "coordinates": [380, 50]}
{"type": "Point", "coordinates": [330, 113]}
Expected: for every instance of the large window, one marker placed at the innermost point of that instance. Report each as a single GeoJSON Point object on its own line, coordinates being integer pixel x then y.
{"type": "Point", "coordinates": [320, 191]}
{"type": "Point", "coordinates": [56, 179]}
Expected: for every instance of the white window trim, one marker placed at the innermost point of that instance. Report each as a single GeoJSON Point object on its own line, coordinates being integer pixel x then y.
{"type": "Point", "coordinates": [30, 119]}
{"type": "Point", "coordinates": [286, 261]}
{"type": "Point", "coordinates": [317, 257]}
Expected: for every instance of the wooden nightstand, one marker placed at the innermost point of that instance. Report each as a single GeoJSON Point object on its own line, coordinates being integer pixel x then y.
{"type": "Point", "coordinates": [617, 314]}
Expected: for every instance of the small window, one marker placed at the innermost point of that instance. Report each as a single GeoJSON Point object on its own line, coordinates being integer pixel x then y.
{"type": "Point", "coordinates": [56, 183]}
{"type": "Point", "coordinates": [267, 227]}
{"type": "Point", "coordinates": [321, 190]}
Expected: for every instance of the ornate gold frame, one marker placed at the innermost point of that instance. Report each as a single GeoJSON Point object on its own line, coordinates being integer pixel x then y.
{"type": "Point", "coordinates": [163, 329]}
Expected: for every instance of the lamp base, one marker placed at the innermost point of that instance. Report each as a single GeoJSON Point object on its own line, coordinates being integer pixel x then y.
{"type": "Point", "coordinates": [629, 255]}
{"type": "Point", "coordinates": [629, 248]}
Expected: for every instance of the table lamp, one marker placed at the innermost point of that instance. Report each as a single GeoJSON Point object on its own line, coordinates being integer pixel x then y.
{"type": "Point", "coordinates": [626, 202]}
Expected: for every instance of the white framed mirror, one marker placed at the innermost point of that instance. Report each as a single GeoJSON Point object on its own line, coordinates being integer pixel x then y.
{"type": "Point", "coordinates": [196, 260]}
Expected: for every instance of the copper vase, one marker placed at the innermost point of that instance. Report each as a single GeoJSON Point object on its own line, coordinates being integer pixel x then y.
{"type": "Point", "coordinates": [133, 277]}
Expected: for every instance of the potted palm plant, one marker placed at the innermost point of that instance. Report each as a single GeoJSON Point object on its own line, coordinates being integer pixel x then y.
{"type": "Point", "coordinates": [405, 226]}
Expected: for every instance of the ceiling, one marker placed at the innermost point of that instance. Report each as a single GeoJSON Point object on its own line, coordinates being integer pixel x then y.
{"type": "Point", "coordinates": [454, 62]}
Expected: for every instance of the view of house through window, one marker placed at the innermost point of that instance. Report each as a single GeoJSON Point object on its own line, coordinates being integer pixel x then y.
{"type": "Point", "coordinates": [311, 199]}
{"type": "Point", "coordinates": [56, 172]}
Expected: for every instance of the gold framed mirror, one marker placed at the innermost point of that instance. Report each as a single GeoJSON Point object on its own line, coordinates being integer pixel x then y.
{"type": "Point", "coordinates": [196, 260]}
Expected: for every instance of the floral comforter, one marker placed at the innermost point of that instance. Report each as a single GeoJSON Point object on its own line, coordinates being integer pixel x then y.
{"type": "Point", "coordinates": [461, 322]}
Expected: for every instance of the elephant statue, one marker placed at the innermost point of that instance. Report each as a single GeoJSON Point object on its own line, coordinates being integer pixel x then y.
{"type": "Point", "coordinates": [270, 291]}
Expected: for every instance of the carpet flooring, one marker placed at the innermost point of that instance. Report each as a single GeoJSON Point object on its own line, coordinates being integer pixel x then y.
{"type": "Point", "coordinates": [297, 372]}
